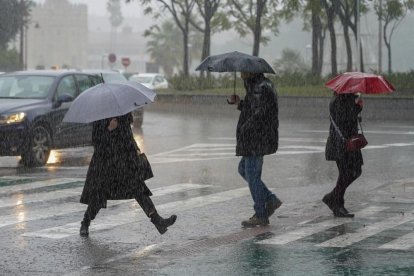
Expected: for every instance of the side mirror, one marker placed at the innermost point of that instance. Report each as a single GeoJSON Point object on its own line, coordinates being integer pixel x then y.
{"type": "Point", "coordinates": [64, 98]}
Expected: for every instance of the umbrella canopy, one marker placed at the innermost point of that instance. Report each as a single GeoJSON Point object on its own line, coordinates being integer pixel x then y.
{"type": "Point", "coordinates": [235, 62]}
{"type": "Point", "coordinates": [357, 82]}
{"type": "Point", "coordinates": [107, 100]}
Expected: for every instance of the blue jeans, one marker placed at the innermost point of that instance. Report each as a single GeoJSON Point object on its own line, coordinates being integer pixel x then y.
{"type": "Point", "coordinates": [250, 168]}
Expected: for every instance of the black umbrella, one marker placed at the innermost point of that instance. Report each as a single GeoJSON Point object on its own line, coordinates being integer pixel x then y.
{"type": "Point", "coordinates": [235, 62]}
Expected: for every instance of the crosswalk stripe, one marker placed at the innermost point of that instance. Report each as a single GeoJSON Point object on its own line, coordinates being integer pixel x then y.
{"type": "Point", "coordinates": [402, 243]}
{"type": "Point", "coordinates": [19, 199]}
{"type": "Point", "coordinates": [21, 215]}
{"type": "Point", "coordinates": [130, 216]}
{"type": "Point", "coordinates": [38, 184]}
{"type": "Point", "coordinates": [311, 229]}
{"type": "Point", "coordinates": [367, 231]}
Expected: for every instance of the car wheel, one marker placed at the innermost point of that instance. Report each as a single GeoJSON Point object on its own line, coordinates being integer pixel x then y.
{"type": "Point", "coordinates": [38, 150]}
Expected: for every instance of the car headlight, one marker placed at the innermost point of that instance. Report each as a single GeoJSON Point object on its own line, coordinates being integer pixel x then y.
{"type": "Point", "coordinates": [12, 118]}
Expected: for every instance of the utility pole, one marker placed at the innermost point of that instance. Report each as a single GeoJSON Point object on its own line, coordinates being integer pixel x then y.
{"type": "Point", "coordinates": [380, 38]}
{"type": "Point", "coordinates": [358, 40]}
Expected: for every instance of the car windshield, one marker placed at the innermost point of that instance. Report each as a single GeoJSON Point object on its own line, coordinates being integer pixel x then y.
{"type": "Point", "coordinates": [25, 87]}
{"type": "Point", "coordinates": [142, 79]}
{"type": "Point", "coordinates": [111, 77]}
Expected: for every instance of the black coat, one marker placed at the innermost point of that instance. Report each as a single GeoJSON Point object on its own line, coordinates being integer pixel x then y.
{"type": "Point", "coordinates": [257, 128]}
{"type": "Point", "coordinates": [344, 111]}
{"type": "Point", "coordinates": [113, 172]}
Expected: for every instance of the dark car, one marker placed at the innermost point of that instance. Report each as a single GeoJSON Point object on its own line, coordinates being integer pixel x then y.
{"type": "Point", "coordinates": [32, 106]}
{"type": "Point", "coordinates": [115, 76]}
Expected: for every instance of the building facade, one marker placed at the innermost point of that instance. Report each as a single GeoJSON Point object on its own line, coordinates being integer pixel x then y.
{"type": "Point", "coordinates": [57, 36]}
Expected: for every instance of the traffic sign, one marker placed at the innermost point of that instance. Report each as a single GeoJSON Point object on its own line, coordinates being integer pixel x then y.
{"type": "Point", "coordinates": [126, 61]}
{"type": "Point", "coordinates": [112, 58]}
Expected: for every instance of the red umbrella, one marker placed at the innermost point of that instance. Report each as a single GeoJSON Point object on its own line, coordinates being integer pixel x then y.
{"type": "Point", "coordinates": [357, 82]}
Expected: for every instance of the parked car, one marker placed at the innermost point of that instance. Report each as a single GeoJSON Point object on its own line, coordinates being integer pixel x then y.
{"type": "Point", "coordinates": [32, 107]}
{"type": "Point", "coordinates": [150, 80]}
{"type": "Point", "coordinates": [115, 76]}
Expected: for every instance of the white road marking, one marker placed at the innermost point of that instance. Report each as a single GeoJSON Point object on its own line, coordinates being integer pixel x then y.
{"type": "Point", "coordinates": [402, 243]}
{"type": "Point", "coordinates": [310, 229]}
{"type": "Point", "coordinates": [130, 216]}
{"type": "Point", "coordinates": [22, 215]}
{"type": "Point", "coordinates": [38, 184]}
{"type": "Point", "coordinates": [367, 231]}
{"type": "Point", "coordinates": [19, 199]}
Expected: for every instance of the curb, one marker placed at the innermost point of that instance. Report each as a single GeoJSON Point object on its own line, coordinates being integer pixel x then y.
{"type": "Point", "coordinates": [380, 108]}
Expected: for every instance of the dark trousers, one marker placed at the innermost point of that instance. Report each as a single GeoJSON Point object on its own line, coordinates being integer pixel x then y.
{"type": "Point", "coordinates": [348, 173]}
{"type": "Point", "coordinates": [143, 200]}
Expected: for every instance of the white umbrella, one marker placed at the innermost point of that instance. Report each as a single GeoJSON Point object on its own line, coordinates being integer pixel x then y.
{"type": "Point", "coordinates": [108, 100]}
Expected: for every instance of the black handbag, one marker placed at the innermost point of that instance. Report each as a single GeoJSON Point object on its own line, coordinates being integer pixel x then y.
{"type": "Point", "coordinates": [355, 142]}
{"type": "Point", "coordinates": [143, 167]}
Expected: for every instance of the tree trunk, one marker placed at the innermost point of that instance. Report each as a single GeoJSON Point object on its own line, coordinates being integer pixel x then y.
{"type": "Point", "coordinates": [331, 27]}
{"type": "Point", "coordinates": [257, 32]}
{"type": "Point", "coordinates": [348, 48]}
{"type": "Point", "coordinates": [185, 46]}
{"type": "Point", "coordinates": [316, 35]}
{"type": "Point", "coordinates": [321, 50]}
{"type": "Point", "coordinates": [389, 59]}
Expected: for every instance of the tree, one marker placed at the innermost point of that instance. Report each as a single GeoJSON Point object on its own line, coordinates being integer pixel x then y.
{"type": "Point", "coordinates": [212, 21]}
{"type": "Point", "coordinates": [392, 13]}
{"type": "Point", "coordinates": [330, 14]}
{"type": "Point", "coordinates": [115, 17]}
{"type": "Point", "coordinates": [254, 16]}
{"type": "Point", "coordinates": [181, 11]}
{"type": "Point", "coordinates": [290, 62]}
{"type": "Point", "coordinates": [165, 45]}
{"type": "Point", "coordinates": [9, 60]}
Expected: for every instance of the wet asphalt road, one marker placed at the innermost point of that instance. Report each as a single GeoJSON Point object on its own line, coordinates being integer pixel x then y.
{"type": "Point", "coordinates": [191, 149]}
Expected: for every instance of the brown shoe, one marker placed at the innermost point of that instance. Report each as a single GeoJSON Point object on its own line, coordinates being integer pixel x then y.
{"type": "Point", "coordinates": [255, 221]}
{"type": "Point", "coordinates": [272, 205]}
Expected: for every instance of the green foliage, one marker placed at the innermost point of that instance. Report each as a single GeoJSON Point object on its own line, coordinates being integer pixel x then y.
{"type": "Point", "coordinates": [290, 62]}
{"type": "Point", "coordinates": [402, 81]}
{"type": "Point", "coordinates": [9, 60]}
{"type": "Point", "coordinates": [115, 13]}
{"type": "Point", "coordinates": [294, 84]}
{"type": "Point", "coordinates": [165, 46]}
{"type": "Point", "coordinates": [13, 15]}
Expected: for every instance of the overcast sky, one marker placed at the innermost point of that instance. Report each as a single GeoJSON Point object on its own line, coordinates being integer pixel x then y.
{"type": "Point", "coordinates": [98, 7]}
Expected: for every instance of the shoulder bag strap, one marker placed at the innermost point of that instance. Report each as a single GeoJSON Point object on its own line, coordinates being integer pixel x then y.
{"type": "Point", "coordinates": [336, 128]}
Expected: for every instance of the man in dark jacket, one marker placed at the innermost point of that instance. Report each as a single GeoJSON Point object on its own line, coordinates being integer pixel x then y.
{"type": "Point", "coordinates": [257, 135]}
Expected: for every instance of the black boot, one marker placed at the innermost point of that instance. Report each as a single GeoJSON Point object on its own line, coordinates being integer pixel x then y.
{"type": "Point", "coordinates": [161, 224]}
{"type": "Point", "coordinates": [84, 230]}
{"type": "Point", "coordinates": [328, 200]}
{"type": "Point", "coordinates": [341, 212]}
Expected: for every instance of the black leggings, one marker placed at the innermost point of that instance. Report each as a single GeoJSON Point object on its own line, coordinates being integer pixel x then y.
{"type": "Point", "coordinates": [143, 200]}
{"type": "Point", "coordinates": [348, 173]}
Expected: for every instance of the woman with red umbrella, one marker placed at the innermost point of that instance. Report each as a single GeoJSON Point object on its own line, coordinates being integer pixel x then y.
{"type": "Point", "coordinates": [344, 110]}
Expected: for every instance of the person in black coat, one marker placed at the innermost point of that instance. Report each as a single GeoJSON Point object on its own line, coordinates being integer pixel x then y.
{"type": "Point", "coordinates": [113, 173]}
{"type": "Point", "coordinates": [344, 111]}
{"type": "Point", "coordinates": [257, 135]}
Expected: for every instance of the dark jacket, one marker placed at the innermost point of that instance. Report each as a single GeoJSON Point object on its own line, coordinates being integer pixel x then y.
{"type": "Point", "coordinates": [344, 111]}
{"type": "Point", "coordinates": [113, 172]}
{"type": "Point", "coordinates": [257, 128]}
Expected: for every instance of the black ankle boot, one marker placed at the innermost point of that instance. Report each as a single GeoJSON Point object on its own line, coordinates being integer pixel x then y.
{"type": "Point", "coordinates": [84, 230]}
{"type": "Point", "coordinates": [161, 224]}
